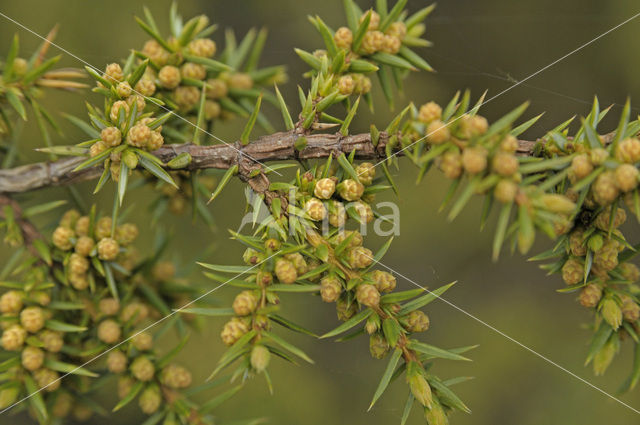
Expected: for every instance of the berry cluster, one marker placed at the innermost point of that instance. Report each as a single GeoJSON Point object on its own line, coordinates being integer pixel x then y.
{"type": "Point", "coordinates": [593, 256]}
{"type": "Point", "coordinates": [184, 75]}
{"type": "Point", "coordinates": [89, 294]}
{"type": "Point", "coordinates": [177, 199]}
{"type": "Point", "coordinates": [304, 245]}
{"type": "Point", "coordinates": [86, 245]}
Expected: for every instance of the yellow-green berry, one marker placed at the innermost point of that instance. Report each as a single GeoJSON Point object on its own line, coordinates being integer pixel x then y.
{"type": "Point", "coordinates": [193, 71]}
{"type": "Point", "coordinates": [51, 340]}
{"type": "Point", "coordinates": [233, 330]}
{"type": "Point", "coordinates": [84, 246]}
{"type": "Point", "coordinates": [240, 80]}
{"type": "Point", "coordinates": [154, 51]}
{"type": "Point", "coordinates": [577, 244]}
{"type": "Point", "coordinates": [146, 87]}
{"type": "Point", "coordinates": [343, 38]}
{"type": "Point", "coordinates": [437, 132]}
{"type": "Point", "coordinates": [114, 73]}
{"type": "Point", "coordinates": [245, 303]}
{"type": "Point", "coordinates": [186, 96]}
{"type": "Point", "coordinates": [79, 281]}
{"type": "Point", "coordinates": [429, 112]}
{"type": "Point", "coordinates": [630, 272]}
{"type": "Point", "coordinates": [397, 29]}
{"type": "Point", "coordinates": [142, 341]}
{"type": "Point", "coordinates": [366, 171]}
{"type": "Point", "coordinates": [82, 226]}
{"type": "Point", "coordinates": [364, 211]}
{"type": "Point", "coordinates": [13, 337]}
{"type": "Point", "coordinates": [169, 77]}
{"type": "Point", "coordinates": [417, 321]}
{"type": "Point", "coordinates": [590, 295]}
{"type": "Point", "coordinates": [216, 88]}
{"type": "Point", "coordinates": [150, 400]}
{"type": "Point", "coordinates": [391, 44]}
{"type": "Point", "coordinates": [109, 331]}
{"type": "Point", "coordinates": [115, 110]}
{"type": "Point", "coordinates": [155, 141]}
{"type": "Point", "coordinates": [315, 209]}
{"type": "Point", "coordinates": [117, 361]}
{"type": "Point", "coordinates": [260, 356]}
{"type": "Point", "coordinates": [420, 388]}
{"type": "Point", "coordinates": [611, 312]}
{"type": "Point", "coordinates": [383, 281]}
{"type": "Point", "coordinates": [111, 136]}
{"type": "Point", "coordinates": [337, 213]}
{"type": "Point", "coordinates": [134, 311]}
{"type": "Point", "coordinates": [202, 47]}
{"type": "Point", "coordinates": [175, 376]}
{"type": "Point", "coordinates": [581, 166]}
{"type": "Point", "coordinates": [372, 42]}
{"type": "Point", "coordinates": [11, 302]}
{"type": "Point", "coordinates": [330, 289]}
{"type": "Point", "coordinates": [628, 150]}
{"type": "Point", "coordinates": [473, 126]}
{"type": "Point", "coordinates": [32, 358]}
{"type": "Point", "coordinates": [572, 271]}
{"type": "Point", "coordinates": [143, 369]}
{"type": "Point", "coordinates": [505, 164]}
{"type": "Point", "coordinates": [108, 249]}
{"type": "Point", "coordinates": [509, 144]}
{"type": "Point", "coordinates": [212, 110]}
{"type": "Point", "coordinates": [345, 309]}
{"type": "Point", "coordinates": [47, 379]}
{"type": "Point", "coordinates": [378, 346]}
{"type": "Point", "coordinates": [368, 295]}
{"type": "Point", "coordinates": [350, 190]}
{"type": "Point", "coordinates": [451, 164]}
{"type": "Point", "coordinates": [62, 238]}
{"type": "Point", "coordinates": [505, 191]}
{"type": "Point", "coordinates": [474, 159]}
{"type": "Point", "coordinates": [126, 233]}
{"type": "Point", "coordinates": [32, 319]}
{"type": "Point", "coordinates": [324, 188]}
{"type": "Point", "coordinates": [285, 271]}
{"type": "Point", "coordinates": [109, 306]}
{"type": "Point", "coordinates": [374, 21]}
{"type": "Point", "coordinates": [626, 177]}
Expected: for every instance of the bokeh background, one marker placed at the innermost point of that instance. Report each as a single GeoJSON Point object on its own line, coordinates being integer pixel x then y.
{"type": "Point", "coordinates": [487, 44]}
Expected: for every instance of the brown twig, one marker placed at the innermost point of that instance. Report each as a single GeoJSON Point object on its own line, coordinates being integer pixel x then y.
{"type": "Point", "coordinates": [29, 231]}
{"type": "Point", "coordinates": [273, 147]}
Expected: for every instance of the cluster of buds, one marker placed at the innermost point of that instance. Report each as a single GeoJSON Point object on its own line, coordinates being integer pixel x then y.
{"type": "Point", "coordinates": [177, 198]}
{"type": "Point", "coordinates": [137, 361]}
{"type": "Point", "coordinates": [183, 69]}
{"type": "Point", "coordinates": [592, 254]}
{"type": "Point", "coordinates": [27, 332]}
{"type": "Point", "coordinates": [24, 79]}
{"type": "Point", "coordinates": [464, 151]}
{"type": "Point", "coordinates": [373, 40]}
{"type": "Point", "coordinates": [82, 240]}
{"type": "Point", "coordinates": [127, 132]}
{"type": "Point", "coordinates": [331, 261]}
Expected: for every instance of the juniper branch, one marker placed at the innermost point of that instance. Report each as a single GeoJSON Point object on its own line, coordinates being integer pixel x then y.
{"type": "Point", "coordinates": [273, 147]}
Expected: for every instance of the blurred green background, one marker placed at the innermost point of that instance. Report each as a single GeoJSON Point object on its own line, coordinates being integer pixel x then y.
{"type": "Point", "coordinates": [487, 44]}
